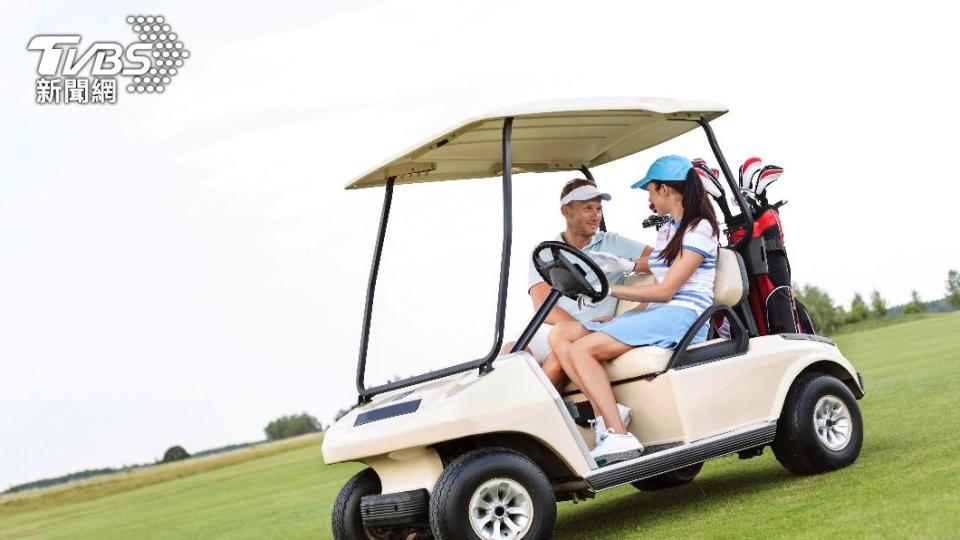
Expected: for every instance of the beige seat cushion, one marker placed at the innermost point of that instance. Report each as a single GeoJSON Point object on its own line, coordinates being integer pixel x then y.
{"type": "Point", "coordinates": [635, 363]}
{"type": "Point", "coordinates": [728, 289]}
{"type": "Point", "coordinates": [641, 361]}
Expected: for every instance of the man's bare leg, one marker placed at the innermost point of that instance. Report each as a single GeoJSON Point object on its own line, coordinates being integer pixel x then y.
{"type": "Point", "coordinates": [554, 371]}
{"type": "Point", "coordinates": [551, 367]}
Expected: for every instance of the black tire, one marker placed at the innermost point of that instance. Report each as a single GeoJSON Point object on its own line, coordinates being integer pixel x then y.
{"type": "Point", "coordinates": [347, 524]}
{"type": "Point", "coordinates": [449, 504]}
{"type": "Point", "coordinates": [670, 479]}
{"type": "Point", "coordinates": [797, 445]}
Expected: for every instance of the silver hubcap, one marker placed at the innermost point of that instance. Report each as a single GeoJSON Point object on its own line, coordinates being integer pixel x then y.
{"type": "Point", "coordinates": [832, 422]}
{"type": "Point", "coordinates": [501, 509]}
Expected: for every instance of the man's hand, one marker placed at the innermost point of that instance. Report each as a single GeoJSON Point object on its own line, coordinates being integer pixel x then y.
{"type": "Point", "coordinates": [612, 263]}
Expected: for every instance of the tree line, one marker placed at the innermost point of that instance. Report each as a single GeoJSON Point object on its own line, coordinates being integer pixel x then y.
{"type": "Point", "coordinates": [828, 317]}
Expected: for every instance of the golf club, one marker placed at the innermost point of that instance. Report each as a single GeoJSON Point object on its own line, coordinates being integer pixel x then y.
{"type": "Point", "coordinates": [748, 170]}
{"type": "Point", "coordinates": [767, 176]}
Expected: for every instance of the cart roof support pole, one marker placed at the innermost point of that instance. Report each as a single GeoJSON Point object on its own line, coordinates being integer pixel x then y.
{"type": "Point", "coordinates": [741, 202]}
{"type": "Point", "coordinates": [372, 285]}
{"type": "Point", "coordinates": [487, 366]}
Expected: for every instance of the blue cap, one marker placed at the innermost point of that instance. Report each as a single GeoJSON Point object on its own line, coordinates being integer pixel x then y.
{"type": "Point", "coordinates": [666, 169]}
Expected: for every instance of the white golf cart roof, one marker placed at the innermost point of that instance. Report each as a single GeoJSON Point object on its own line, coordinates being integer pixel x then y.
{"type": "Point", "coordinates": [547, 136]}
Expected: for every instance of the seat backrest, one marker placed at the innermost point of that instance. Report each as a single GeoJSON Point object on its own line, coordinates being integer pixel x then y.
{"type": "Point", "coordinates": [729, 287]}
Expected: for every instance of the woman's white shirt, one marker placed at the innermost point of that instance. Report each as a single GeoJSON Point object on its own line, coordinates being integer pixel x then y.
{"type": "Point", "coordinates": [697, 292]}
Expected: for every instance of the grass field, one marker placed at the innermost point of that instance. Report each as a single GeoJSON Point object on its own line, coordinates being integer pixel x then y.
{"type": "Point", "coordinates": [906, 483]}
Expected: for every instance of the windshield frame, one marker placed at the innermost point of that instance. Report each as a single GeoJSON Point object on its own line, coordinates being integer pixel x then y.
{"type": "Point", "coordinates": [485, 364]}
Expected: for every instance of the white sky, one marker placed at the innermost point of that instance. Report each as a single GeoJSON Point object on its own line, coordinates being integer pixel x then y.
{"type": "Point", "coordinates": [181, 269]}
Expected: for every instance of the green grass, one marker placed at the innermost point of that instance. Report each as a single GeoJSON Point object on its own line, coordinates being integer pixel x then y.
{"type": "Point", "coordinates": [906, 483]}
{"type": "Point", "coordinates": [889, 320]}
{"type": "Point", "coordinates": [103, 486]}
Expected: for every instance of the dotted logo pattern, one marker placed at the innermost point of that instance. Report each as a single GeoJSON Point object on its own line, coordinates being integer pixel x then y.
{"type": "Point", "coordinates": [167, 55]}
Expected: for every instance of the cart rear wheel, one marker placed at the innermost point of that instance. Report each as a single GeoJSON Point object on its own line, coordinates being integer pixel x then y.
{"type": "Point", "coordinates": [492, 494]}
{"type": "Point", "coordinates": [670, 479]}
{"type": "Point", "coordinates": [820, 428]}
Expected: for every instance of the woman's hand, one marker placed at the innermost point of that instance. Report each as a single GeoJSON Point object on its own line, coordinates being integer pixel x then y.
{"type": "Point", "coordinates": [601, 319]}
{"type": "Point", "coordinates": [678, 274]}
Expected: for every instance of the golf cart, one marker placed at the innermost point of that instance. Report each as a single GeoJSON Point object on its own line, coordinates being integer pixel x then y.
{"type": "Point", "coordinates": [446, 460]}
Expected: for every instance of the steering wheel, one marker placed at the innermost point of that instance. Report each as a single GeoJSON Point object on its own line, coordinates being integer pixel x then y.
{"type": "Point", "coordinates": [566, 277]}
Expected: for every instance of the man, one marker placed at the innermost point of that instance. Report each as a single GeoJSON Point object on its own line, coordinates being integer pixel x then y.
{"type": "Point", "coordinates": [581, 205]}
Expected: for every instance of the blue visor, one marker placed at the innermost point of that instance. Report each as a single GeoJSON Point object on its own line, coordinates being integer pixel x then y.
{"type": "Point", "coordinates": [666, 169]}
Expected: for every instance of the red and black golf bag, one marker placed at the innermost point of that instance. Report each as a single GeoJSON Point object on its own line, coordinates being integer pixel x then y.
{"type": "Point", "coordinates": [771, 298]}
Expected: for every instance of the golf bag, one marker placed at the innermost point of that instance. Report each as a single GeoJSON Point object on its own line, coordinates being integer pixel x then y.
{"type": "Point", "coordinates": [771, 298]}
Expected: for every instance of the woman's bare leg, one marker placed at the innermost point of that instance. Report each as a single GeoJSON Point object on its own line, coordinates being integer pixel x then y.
{"type": "Point", "coordinates": [561, 338]}
{"type": "Point", "coordinates": [585, 355]}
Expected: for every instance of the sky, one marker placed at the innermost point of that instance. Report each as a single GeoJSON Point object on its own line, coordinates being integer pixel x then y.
{"type": "Point", "coordinates": [183, 268]}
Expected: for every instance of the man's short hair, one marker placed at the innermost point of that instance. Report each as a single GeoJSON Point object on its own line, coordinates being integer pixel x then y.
{"type": "Point", "coordinates": [574, 184]}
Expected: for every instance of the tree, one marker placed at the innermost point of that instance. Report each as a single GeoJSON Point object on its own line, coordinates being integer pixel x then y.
{"type": "Point", "coordinates": [291, 426]}
{"type": "Point", "coordinates": [858, 309]}
{"type": "Point", "coordinates": [174, 453]}
{"type": "Point", "coordinates": [953, 289]}
{"type": "Point", "coordinates": [839, 317]}
{"type": "Point", "coordinates": [915, 305]}
{"type": "Point", "coordinates": [878, 304]}
{"type": "Point", "coordinates": [826, 317]}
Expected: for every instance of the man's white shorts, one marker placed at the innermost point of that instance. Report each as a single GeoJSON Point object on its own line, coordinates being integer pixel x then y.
{"type": "Point", "coordinates": [539, 346]}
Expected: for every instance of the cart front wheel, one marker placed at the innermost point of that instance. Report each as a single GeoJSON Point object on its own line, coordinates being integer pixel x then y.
{"type": "Point", "coordinates": [492, 494]}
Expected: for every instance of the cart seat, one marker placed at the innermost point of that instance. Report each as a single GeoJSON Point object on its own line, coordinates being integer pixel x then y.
{"type": "Point", "coordinates": [730, 288]}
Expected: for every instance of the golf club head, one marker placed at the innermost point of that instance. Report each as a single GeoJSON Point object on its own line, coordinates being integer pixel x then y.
{"type": "Point", "coordinates": [767, 176]}
{"type": "Point", "coordinates": [709, 177]}
{"type": "Point", "coordinates": [748, 170]}
{"type": "Point", "coordinates": [710, 185]}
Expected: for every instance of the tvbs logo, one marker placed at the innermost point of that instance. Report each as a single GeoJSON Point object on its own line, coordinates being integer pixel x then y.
{"type": "Point", "coordinates": [103, 57]}
{"type": "Point", "coordinates": [70, 73]}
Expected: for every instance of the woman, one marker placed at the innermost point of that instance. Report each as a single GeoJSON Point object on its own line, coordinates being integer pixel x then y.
{"type": "Point", "coordinates": [684, 262]}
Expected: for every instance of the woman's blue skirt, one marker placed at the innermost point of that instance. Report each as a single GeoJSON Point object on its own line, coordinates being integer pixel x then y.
{"type": "Point", "coordinates": [660, 324]}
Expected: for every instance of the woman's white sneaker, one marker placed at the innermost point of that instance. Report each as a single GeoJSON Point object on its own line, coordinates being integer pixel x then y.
{"type": "Point", "coordinates": [626, 415]}
{"type": "Point", "coordinates": [616, 447]}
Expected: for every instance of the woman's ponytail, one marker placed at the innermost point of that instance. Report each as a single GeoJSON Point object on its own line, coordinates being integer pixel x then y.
{"type": "Point", "coordinates": [696, 207]}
